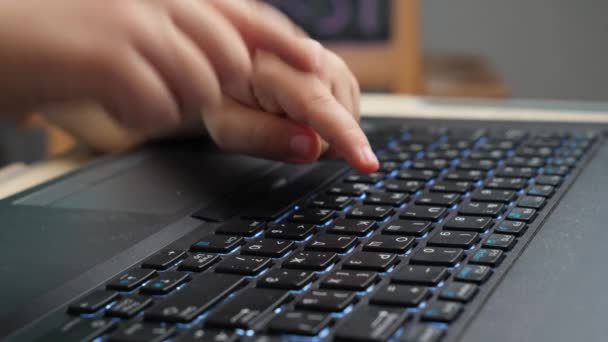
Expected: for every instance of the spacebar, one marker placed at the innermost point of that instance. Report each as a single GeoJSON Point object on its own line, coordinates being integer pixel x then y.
{"type": "Point", "coordinates": [283, 199]}
{"type": "Point", "coordinates": [198, 295]}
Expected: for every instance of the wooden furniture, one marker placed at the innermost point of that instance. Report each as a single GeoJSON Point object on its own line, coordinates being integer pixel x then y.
{"type": "Point", "coordinates": [394, 65]}
{"type": "Point", "coordinates": [20, 177]}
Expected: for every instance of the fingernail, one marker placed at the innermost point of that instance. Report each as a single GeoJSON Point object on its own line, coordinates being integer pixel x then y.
{"type": "Point", "coordinates": [301, 146]}
{"type": "Point", "coordinates": [369, 157]}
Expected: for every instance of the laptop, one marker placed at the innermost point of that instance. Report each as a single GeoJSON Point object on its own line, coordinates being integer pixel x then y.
{"type": "Point", "coordinates": [471, 231]}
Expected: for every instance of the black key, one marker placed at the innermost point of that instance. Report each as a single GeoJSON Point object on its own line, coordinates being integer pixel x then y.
{"type": "Point", "coordinates": [286, 279]}
{"type": "Point", "coordinates": [422, 275]}
{"type": "Point", "coordinates": [93, 301]}
{"type": "Point", "coordinates": [389, 166]}
{"type": "Point", "coordinates": [399, 157]}
{"type": "Point", "coordinates": [273, 248]}
{"type": "Point", "coordinates": [407, 227]}
{"type": "Point", "coordinates": [481, 209]}
{"type": "Point", "coordinates": [351, 227]}
{"type": "Point", "coordinates": [465, 175]}
{"type": "Point", "coordinates": [548, 180]}
{"type": "Point", "coordinates": [241, 228]}
{"type": "Point", "coordinates": [165, 282]}
{"type": "Point", "coordinates": [243, 264]}
{"type": "Point", "coordinates": [128, 307]}
{"type": "Point", "coordinates": [331, 202]}
{"type": "Point", "coordinates": [487, 154]}
{"type": "Point", "coordinates": [370, 323]}
{"type": "Point", "coordinates": [349, 189]}
{"type": "Point", "coordinates": [490, 257]}
{"type": "Point", "coordinates": [371, 212]}
{"type": "Point", "coordinates": [541, 190]}
{"type": "Point", "coordinates": [516, 228]}
{"type": "Point", "coordinates": [525, 162]}
{"type": "Point", "coordinates": [493, 195]}
{"type": "Point", "coordinates": [349, 280]}
{"type": "Point", "coordinates": [198, 262]}
{"type": "Point", "coordinates": [451, 186]}
{"type": "Point", "coordinates": [500, 241]}
{"type": "Point", "coordinates": [437, 256]}
{"type": "Point", "coordinates": [380, 262]}
{"type": "Point", "coordinates": [387, 198]}
{"type": "Point", "coordinates": [217, 244]}
{"type": "Point", "coordinates": [76, 329]}
{"type": "Point", "coordinates": [368, 178]}
{"type": "Point", "coordinates": [144, 332]}
{"type": "Point", "coordinates": [163, 259]}
{"type": "Point", "coordinates": [569, 161]}
{"type": "Point", "coordinates": [393, 185]}
{"type": "Point", "coordinates": [430, 164]}
{"type": "Point", "coordinates": [438, 199]}
{"type": "Point", "coordinates": [477, 164]}
{"type": "Point", "coordinates": [521, 214]}
{"type": "Point", "coordinates": [469, 223]}
{"type": "Point", "coordinates": [517, 172]}
{"type": "Point", "coordinates": [326, 300]}
{"type": "Point", "coordinates": [422, 333]}
{"type": "Point", "coordinates": [556, 170]}
{"type": "Point", "coordinates": [290, 231]}
{"type": "Point", "coordinates": [246, 309]}
{"type": "Point", "coordinates": [131, 279]}
{"type": "Point", "coordinates": [389, 244]}
{"type": "Point", "coordinates": [423, 212]}
{"type": "Point", "coordinates": [313, 216]}
{"type": "Point", "coordinates": [400, 295]}
{"type": "Point", "coordinates": [417, 175]}
{"type": "Point", "coordinates": [473, 274]}
{"type": "Point", "coordinates": [316, 261]}
{"type": "Point", "coordinates": [454, 239]}
{"type": "Point", "coordinates": [331, 243]}
{"type": "Point", "coordinates": [441, 312]}
{"type": "Point", "coordinates": [200, 294]}
{"type": "Point", "coordinates": [299, 323]}
{"type": "Point", "coordinates": [206, 335]}
{"type": "Point", "coordinates": [506, 183]}
{"type": "Point", "coordinates": [458, 292]}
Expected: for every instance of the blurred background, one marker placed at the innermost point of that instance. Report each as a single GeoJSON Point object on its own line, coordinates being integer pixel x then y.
{"type": "Point", "coordinates": [545, 49]}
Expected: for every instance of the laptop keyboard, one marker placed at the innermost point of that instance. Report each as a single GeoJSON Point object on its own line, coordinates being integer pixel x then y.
{"type": "Point", "coordinates": [404, 254]}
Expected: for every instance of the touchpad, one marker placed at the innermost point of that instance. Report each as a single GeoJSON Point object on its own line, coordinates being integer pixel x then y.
{"type": "Point", "coordinates": [162, 184]}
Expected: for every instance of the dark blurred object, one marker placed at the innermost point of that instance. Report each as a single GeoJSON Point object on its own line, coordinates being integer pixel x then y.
{"type": "Point", "coordinates": [21, 144]}
{"type": "Point", "coordinates": [340, 20]}
{"type": "Point", "coordinates": [379, 40]}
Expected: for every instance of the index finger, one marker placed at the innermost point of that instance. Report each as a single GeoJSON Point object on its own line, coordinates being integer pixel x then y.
{"type": "Point", "coordinates": [305, 99]}
{"type": "Point", "coordinates": [265, 30]}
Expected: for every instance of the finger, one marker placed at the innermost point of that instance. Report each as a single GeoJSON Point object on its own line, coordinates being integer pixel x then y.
{"type": "Point", "coordinates": [221, 43]}
{"type": "Point", "coordinates": [304, 98]}
{"type": "Point", "coordinates": [276, 35]}
{"type": "Point", "coordinates": [133, 92]}
{"type": "Point", "coordinates": [240, 129]}
{"type": "Point", "coordinates": [183, 66]}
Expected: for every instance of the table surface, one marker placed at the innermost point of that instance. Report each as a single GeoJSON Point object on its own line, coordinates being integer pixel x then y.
{"type": "Point", "coordinates": [19, 177]}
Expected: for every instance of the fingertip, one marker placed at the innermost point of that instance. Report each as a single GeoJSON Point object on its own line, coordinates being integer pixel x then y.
{"type": "Point", "coordinates": [315, 51]}
{"type": "Point", "coordinates": [368, 162]}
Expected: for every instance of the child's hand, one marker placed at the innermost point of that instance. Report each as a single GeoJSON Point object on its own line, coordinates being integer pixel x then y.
{"type": "Point", "coordinates": [295, 106]}
{"type": "Point", "coordinates": [146, 61]}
